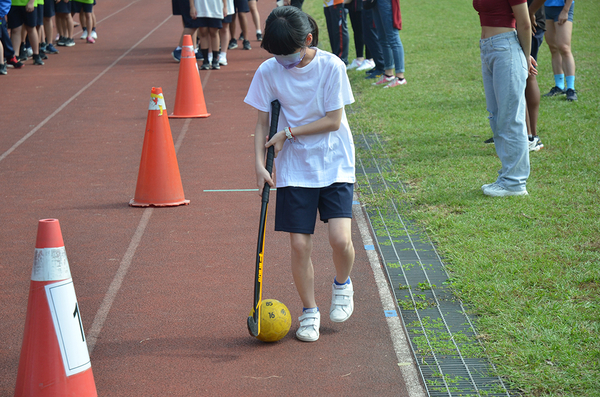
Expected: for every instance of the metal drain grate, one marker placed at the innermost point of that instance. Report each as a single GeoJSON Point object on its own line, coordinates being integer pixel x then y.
{"type": "Point", "coordinates": [451, 360]}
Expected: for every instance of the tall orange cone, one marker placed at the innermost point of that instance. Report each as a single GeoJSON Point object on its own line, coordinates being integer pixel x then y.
{"type": "Point", "coordinates": [189, 101]}
{"type": "Point", "coordinates": [159, 181]}
{"type": "Point", "coordinates": [54, 356]}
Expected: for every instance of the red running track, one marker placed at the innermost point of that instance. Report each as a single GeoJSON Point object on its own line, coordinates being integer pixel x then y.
{"type": "Point", "coordinates": [164, 293]}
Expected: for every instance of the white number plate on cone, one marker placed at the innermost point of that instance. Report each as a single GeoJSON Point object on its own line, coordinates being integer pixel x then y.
{"type": "Point", "coordinates": [68, 326]}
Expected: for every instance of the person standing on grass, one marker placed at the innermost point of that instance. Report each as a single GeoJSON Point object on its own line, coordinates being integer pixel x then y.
{"type": "Point", "coordinates": [505, 65]}
{"type": "Point", "coordinates": [337, 28]}
{"type": "Point", "coordinates": [559, 29]}
{"type": "Point", "coordinates": [532, 90]}
{"type": "Point", "coordinates": [388, 21]}
{"type": "Point", "coordinates": [314, 155]}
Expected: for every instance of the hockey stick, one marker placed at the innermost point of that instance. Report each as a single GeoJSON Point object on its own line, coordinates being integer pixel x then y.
{"type": "Point", "coordinates": [254, 318]}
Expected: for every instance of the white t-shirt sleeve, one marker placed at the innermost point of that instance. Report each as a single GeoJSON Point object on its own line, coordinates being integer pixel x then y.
{"type": "Point", "coordinates": [259, 95]}
{"type": "Point", "coordinates": [338, 89]}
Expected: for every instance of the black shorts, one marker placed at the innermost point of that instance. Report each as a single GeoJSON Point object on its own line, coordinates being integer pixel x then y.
{"type": "Point", "coordinates": [62, 7]}
{"type": "Point", "coordinates": [296, 210]}
{"type": "Point", "coordinates": [48, 8]}
{"type": "Point", "coordinates": [18, 16]}
{"type": "Point", "coordinates": [241, 6]}
{"type": "Point", "coordinates": [228, 18]}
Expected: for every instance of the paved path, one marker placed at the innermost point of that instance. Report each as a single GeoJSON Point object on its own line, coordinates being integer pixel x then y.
{"type": "Point", "coordinates": [164, 292]}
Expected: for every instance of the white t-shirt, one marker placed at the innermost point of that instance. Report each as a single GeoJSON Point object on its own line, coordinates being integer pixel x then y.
{"type": "Point", "coordinates": [209, 9]}
{"type": "Point", "coordinates": [305, 95]}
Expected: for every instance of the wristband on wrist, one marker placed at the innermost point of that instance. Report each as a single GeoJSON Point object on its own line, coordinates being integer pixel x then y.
{"type": "Point", "coordinates": [288, 134]}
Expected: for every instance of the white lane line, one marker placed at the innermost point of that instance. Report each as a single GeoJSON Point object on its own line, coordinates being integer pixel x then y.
{"type": "Point", "coordinates": [408, 367]}
{"type": "Point", "coordinates": [81, 91]}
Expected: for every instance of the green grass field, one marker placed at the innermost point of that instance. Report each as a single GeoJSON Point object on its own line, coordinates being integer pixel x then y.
{"type": "Point", "coordinates": [527, 267]}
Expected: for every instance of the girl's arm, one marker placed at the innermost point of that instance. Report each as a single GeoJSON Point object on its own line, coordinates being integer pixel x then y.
{"type": "Point", "coordinates": [193, 10]}
{"type": "Point", "coordinates": [331, 122]}
{"type": "Point", "coordinates": [261, 133]}
{"type": "Point", "coordinates": [521, 13]}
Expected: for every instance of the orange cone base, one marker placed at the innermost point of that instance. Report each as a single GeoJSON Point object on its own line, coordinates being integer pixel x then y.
{"type": "Point", "coordinates": [196, 116]}
{"type": "Point", "coordinates": [135, 203]}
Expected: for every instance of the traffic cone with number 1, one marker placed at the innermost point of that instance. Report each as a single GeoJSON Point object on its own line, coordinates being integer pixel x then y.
{"type": "Point", "coordinates": [54, 360]}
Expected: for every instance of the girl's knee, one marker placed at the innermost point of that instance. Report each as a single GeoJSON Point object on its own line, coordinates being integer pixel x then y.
{"type": "Point", "coordinates": [341, 243]}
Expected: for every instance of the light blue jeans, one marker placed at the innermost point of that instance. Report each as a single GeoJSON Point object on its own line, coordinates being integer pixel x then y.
{"type": "Point", "coordinates": [391, 45]}
{"type": "Point", "coordinates": [504, 70]}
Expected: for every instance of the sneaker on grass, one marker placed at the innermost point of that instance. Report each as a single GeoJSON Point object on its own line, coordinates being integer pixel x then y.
{"type": "Point", "coordinates": [397, 81]}
{"type": "Point", "coordinates": [310, 322]}
{"type": "Point", "coordinates": [354, 64]}
{"type": "Point", "coordinates": [342, 302]}
{"type": "Point", "coordinates": [491, 140]}
{"type": "Point", "coordinates": [571, 95]}
{"type": "Point", "coordinates": [535, 144]}
{"type": "Point", "coordinates": [366, 65]}
{"type": "Point", "coordinates": [496, 190]}
{"type": "Point", "coordinates": [384, 80]}
{"type": "Point", "coordinates": [555, 91]}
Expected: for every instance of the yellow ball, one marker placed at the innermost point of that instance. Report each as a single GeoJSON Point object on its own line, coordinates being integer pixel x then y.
{"type": "Point", "coordinates": [275, 320]}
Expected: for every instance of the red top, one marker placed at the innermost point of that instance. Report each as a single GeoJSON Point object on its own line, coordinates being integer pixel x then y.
{"type": "Point", "coordinates": [496, 13]}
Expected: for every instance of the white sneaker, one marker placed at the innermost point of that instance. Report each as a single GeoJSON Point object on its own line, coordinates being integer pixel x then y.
{"type": "Point", "coordinates": [342, 302]}
{"type": "Point", "coordinates": [355, 63]}
{"type": "Point", "coordinates": [209, 57]}
{"type": "Point", "coordinates": [84, 34]}
{"type": "Point", "coordinates": [366, 65]}
{"type": "Point", "coordinates": [309, 326]}
{"type": "Point", "coordinates": [496, 190]}
{"type": "Point", "coordinates": [223, 58]}
{"type": "Point", "coordinates": [94, 35]}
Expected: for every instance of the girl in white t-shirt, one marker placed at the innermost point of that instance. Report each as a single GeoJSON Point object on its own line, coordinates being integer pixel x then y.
{"type": "Point", "coordinates": [314, 154]}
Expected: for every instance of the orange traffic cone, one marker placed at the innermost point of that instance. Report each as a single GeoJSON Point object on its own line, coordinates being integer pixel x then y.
{"type": "Point", "coordinates": [159, 182]}
{"type": "Point", "coordinates": [54, 356]}
{"type": "Point", "coordinates": [189, 101]}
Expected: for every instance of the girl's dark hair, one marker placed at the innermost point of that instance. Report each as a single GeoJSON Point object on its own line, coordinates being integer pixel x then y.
{"type": "Point", "coordinates": [286, 29]}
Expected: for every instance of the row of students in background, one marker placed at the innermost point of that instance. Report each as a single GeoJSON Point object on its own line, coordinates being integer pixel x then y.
{"type": "Point", "coordinates": [32, 25]}
{"type": "Point", "coordinates": [212, 25]}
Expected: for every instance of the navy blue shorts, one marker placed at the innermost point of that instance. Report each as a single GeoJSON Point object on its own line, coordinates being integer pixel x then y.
{"type": "Point", "coordinates": [536, 42]}
{"type": "Point", "coordinates": [190, 23]}
{"type": "Point", "coordinates": [241, 6]}
{"type": "Point", "coordinates": [180, 6]}
{"type": "Point", "coordinates": [296, 208]}
{"type": "Point", "coordinates": [552, 13]}
{"type": "Point", "coordinates": [77, 7]}
{"type": "Point", "coordinates": [228, 18]}
{"type": "Point", "coordinates": [18, 16]}
{"type": "Point", "coordinates": [48, 9]}
{"type": "Point", "coordinates": [39, 17]}
{"type": "Point", "coordinates": [63, 8]}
